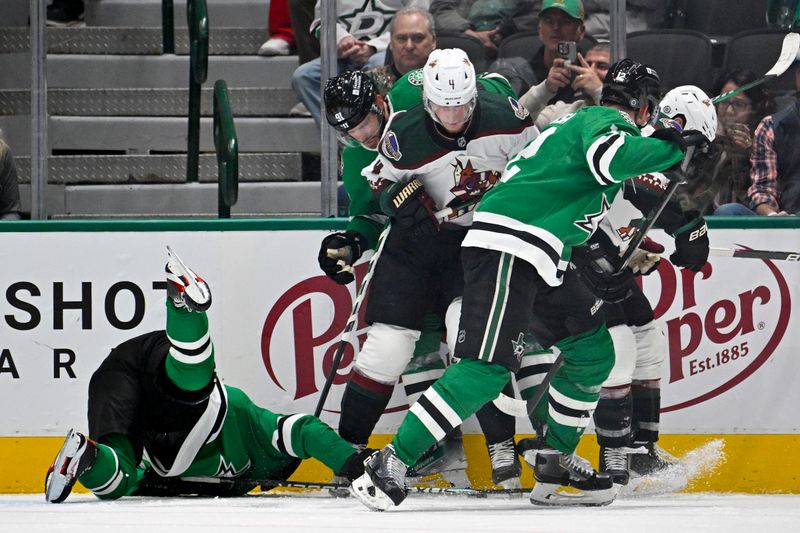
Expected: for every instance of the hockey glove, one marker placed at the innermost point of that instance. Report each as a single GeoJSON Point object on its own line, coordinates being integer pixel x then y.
{"type": "Point", "coordinates": [646, 257]}
{"type": "Point", "coordinates": [338, 252]}
{"type": "Point", "coordinates": [410, 208]}
{"type": "Point", "coordinates": [600, 274]}
{"type": "Point", "coordinates": [691, 244]}
{"type": "Point", "coordinates": [354, 466]}
{"type": "Point", "coordinates": [682, 139]}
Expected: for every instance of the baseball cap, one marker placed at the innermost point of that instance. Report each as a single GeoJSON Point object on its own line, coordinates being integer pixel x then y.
{"type": "Point", "coordinates": [573, 8]}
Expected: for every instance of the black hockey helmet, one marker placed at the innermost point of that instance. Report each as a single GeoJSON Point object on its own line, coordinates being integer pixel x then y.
{"type": "Point", "coordinates": [631, 84]}
{"type": "Point", "coordinates": [349, 98]}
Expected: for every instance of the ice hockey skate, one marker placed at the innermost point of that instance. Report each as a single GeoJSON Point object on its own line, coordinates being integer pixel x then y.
{"type": "Point", "coordinates": [556, 473]}
{"type": "Point", "coordinates": [616, 462]}
{"type": "Point", "coordinates": [383, 484]}
{"type": "Point", "coordinates": [77, 455]}
{"type": "Point", "coordinates": [184, 287]}
{"type": "Point", "coordinates": [655, 471]}
{"type": "Point", "coordinates": [506, 467]}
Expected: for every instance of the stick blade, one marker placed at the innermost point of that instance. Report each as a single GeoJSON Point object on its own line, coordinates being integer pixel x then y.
{"type": "Point", "coordinates": [789, 49]}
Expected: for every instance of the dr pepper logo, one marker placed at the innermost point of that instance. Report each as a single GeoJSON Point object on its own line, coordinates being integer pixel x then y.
{"type": "Point", "coordinates": [722, 324]}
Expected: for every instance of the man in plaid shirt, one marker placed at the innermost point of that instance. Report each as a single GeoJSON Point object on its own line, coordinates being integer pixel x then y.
{"type": "Point", "coordinates": [775, 161]}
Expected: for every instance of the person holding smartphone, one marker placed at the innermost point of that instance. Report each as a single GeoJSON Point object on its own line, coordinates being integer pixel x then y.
{"type": "Point", "coordinates": [560, 26]}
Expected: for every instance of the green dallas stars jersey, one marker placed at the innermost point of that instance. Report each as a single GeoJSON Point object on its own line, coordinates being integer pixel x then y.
{"type": "Point", "coordinates": [366, 216]}
{"type": "Point", "coordinates": [554, 193]}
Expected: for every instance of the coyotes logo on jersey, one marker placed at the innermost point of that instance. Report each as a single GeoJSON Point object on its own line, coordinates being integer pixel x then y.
{"type": "Point", "coordinates": [471, 183]}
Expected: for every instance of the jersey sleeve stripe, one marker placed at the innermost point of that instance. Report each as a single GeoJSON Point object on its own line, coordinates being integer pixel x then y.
{"type": "Point", "coordinates": [600, 155]}
{"type": "Point", "coordinates": [524, 236]}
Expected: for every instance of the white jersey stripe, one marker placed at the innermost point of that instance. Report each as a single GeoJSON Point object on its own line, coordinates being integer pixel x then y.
{"type": "Point", "coordinates": [443, 407]}
{"type": "Point", "coordinates": [600, 169]}
{"type": "Point", "coordinates": [192, 359]}
{"type": "Point", "coordinates": [427, 420]}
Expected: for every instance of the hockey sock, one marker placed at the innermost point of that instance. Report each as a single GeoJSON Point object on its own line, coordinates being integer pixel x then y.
{"type": "Point", "coordinates": [575, 389]}
{"type": "Point", "coordinates": [363, 402]}
{"type": "Point", "coordinates": [114, 473]}
{"type": "Point", "coordinates": [306, 436]}
{"type": "Point", "coordinates": [496, 425]}
{"type": "Point", "coordinates": [190, 363]}
{"type": "Point", "coordinates": [646, 408]}
{"type": "Point", "coordinates": [612, 418]}
{"type": "Point", "coordinates": [535, 365]}
{"type": "Point", "coordinates": [463, 389]}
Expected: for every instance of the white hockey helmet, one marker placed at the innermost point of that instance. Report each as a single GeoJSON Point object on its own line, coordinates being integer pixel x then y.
{"type": "Point", "coordinates": [448, 79]}
{"type": "Point", "coordinates": [692, 107]}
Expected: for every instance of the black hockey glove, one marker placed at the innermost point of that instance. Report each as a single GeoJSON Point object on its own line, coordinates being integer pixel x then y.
{"type": "Point", "coordinates": [338, 252]}
{"type": "Point", "coordinates": [354, 466]}
{"type": "Point", "coordinates": [410, 208]}
{"type": "Point", "coordinates": [691, 244]}
{"type": "Point", "coordinates": [682, 139]}
{"type": "Point", "coordinates": [598, 271]}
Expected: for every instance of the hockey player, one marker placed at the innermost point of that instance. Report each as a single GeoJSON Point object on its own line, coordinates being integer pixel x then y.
{"type": "Point", "coordinates": [360, 114]}
{"type": "Point", "coordinates": [627, 415]}
{"type": "Point", "coordinates": [158, 394]}
{"type": "Point", "coordinates": [550, 198]}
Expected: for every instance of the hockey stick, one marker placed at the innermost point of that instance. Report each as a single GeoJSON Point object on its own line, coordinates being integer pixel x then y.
{"type": "Point", "coordinates": [525, 408]}
{"type": "Point", "coordinates": [755, 254]}
{"type": "Point", "coordinates": [441, 216]}
{"type": "Point", "coordinates": [351, 322]}
{"type": "Point", "coordinates": [441, 491]}
{"type": "Point", "coordinates": [195, 484]}
{"type": "Point", "coordinates": [789, 50]}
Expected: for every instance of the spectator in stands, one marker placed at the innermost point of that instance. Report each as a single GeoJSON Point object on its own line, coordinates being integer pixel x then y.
{"type": "Point", "coordinates": [718, 179]}
{"type": "Point", "coordinates": [281, 35]}
{"type": "Point", "coordinates": [301, 13]}
{"type": "Point", "coordinates": [362, 37]}
{"type": "Point", "coordinates": [65, 13]}
{"type": "Point", "coordinates": [489, 21]}
{"type": "Point", "coordinates": [559, 20]}
{"type": "Point", "coordinates": [9, 188]}
{"type": "Point", "coordinates": [412, 39]}
{"type": "Point", "coordinates": [775, 161]}
{"type": "Point", "coordinates": [639, 15]}
{"type": "Point", "coordinates": [586, 85]}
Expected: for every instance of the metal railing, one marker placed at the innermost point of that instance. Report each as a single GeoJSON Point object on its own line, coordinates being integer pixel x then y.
{"type": "Point", "coordinates": [227, 150]}
{"type": "Point", "coordinates": [197, 18]}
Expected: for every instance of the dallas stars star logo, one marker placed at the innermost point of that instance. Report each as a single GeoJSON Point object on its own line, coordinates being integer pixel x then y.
{"type": "Point", "coordinates": [519, 346]}
{"type": "Point", "coordinates": [369, 19]}
{"type": "Point", "coordinates": [591, 220]}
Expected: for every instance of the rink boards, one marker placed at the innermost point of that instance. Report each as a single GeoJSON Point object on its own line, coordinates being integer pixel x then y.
{"type": "Point", "coordinates": [73, 290]}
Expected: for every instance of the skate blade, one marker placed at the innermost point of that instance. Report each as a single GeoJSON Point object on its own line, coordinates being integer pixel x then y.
{"type": "Point", "coordinates": [197, 292]}
{"type": "Point", "coordinates": [57, 479]}
{"type": "Point", "coordinates": [363, 490]}
{"type": "Point", "coordinates": [551, 494]}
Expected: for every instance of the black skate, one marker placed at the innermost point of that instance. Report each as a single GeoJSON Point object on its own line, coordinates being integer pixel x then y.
{"type": "Point", "coordinates": [506, 467]}
{"type": "Point", "coordinates": [383, 484]}
{"type": "Point", "coordinates": [344, 490]}
{"type": "Point", "coordinates": [554, 470]}
{"type": "Point", "coordinates": [655, 471]}
{"type": "Point", "coordinates": [616, 462]}
{"type": "Point", "coordinates": [76, 456]}
{"type": "Point", "coordinates": [184, 287]}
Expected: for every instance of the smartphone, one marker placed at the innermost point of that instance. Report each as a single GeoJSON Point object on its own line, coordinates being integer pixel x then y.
{"type": "Point", "coordinates": [568, 50]}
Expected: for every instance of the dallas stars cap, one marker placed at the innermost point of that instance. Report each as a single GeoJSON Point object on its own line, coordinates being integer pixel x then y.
{"type": "Point", "coordinates": [573, 8]}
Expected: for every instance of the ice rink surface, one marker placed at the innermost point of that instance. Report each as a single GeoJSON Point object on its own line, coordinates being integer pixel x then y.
{"type": "Point", "coordinates": [729, 513]}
